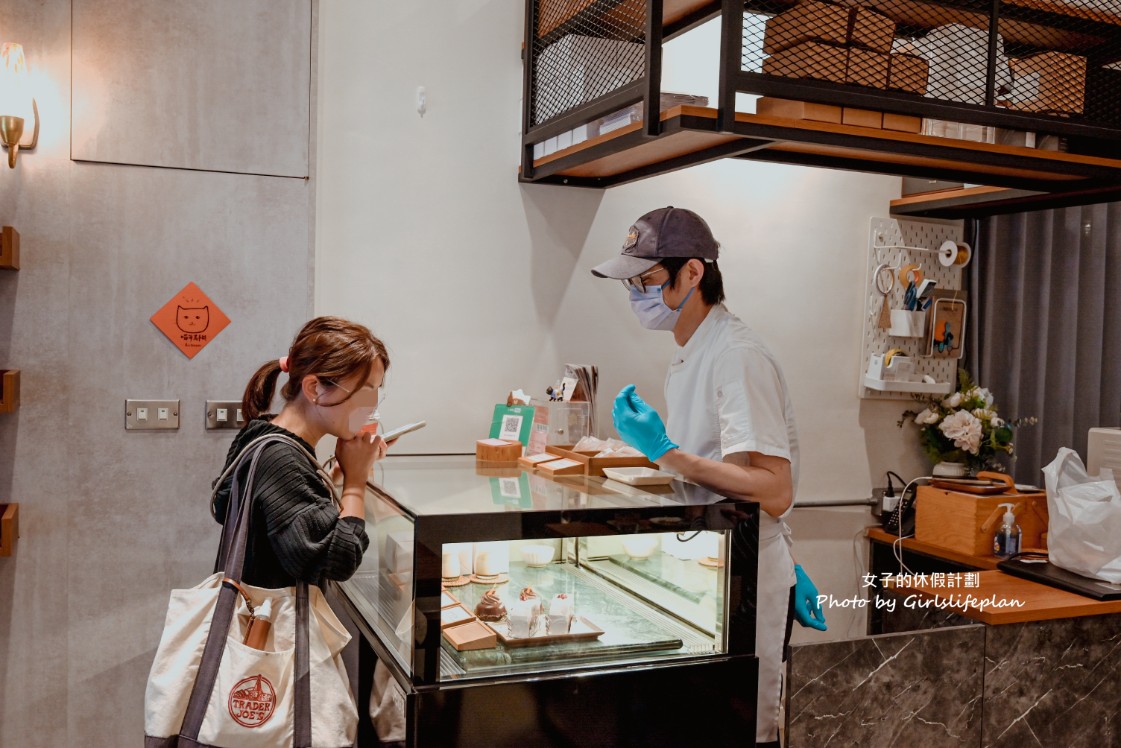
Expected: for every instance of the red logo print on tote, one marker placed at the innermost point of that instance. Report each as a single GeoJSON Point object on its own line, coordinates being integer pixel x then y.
{"type": "Point", "coordinates": [252, 701]}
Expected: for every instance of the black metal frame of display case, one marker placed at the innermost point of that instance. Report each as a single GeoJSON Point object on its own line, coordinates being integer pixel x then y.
{"type": "Point", "coordinates": [705, 697]}
{"type": "Point", "coordinates": [943, 157]}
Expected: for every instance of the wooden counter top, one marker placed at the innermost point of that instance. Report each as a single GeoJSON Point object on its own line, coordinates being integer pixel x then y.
{"type": "Point", "coordinates": [1000, 598]}
{"type": "Point", "coordinates": [879, 535]}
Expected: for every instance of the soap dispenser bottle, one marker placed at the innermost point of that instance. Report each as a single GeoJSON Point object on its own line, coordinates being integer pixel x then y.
{"type": "Point", "coordinates": [1006, 542]}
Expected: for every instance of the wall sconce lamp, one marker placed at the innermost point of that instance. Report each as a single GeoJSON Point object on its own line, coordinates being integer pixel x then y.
{"type": "Point", "coordinates": [17, 106]}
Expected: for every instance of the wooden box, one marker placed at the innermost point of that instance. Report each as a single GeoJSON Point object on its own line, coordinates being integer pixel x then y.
{"type": "Point", "coordinates": [1048, 82]}
{"type": "Point", "coordinates": [9, 528]}
{"type": "Point", "coordinates": [497, 450]}
{"type": "Point", "coordinates": [966, 522]}
{"type": "Point", "coordinates": [866, 68]}
{"type": "Point", "coordinates": [908, 73]}
{"type": "Point", "coordinates": [825, 62]}
{"type": "Point", "coordinates": [902, 122]}
{"type": "Point", "coordinates": [470, 635]}
{"type": "Point", "coordinates": [803, 110]}
{"type": "Point", "coordinates": [593, 465]}
{"type": "Point", "coordinates": [807, 21]}
{"type": "Point", "coordinates": [871, 30]}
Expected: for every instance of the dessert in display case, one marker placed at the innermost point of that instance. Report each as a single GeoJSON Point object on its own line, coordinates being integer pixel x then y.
{"type": "Point", "coordinates": [576, 597]}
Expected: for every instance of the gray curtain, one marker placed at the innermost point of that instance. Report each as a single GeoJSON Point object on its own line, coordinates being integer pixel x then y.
{"type": "Point", "coordinates": [1044, 328]}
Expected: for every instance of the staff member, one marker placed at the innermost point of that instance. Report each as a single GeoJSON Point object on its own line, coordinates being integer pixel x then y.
{"type": "Point", "coordinates": [731, 424]}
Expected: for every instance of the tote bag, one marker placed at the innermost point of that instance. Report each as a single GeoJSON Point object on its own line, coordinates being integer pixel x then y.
{"type": "Point", "coordinates": [209, 689]}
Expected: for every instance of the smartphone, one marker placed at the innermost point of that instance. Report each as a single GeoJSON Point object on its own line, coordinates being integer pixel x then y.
{"type": "Point", "coordinates": [402, 430]}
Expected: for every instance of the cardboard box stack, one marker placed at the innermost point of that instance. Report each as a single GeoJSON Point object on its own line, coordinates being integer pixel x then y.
{"type": "Point", "coordinates": [838, 44]}
{"type": "Point", "coordinates": [1048, 82]}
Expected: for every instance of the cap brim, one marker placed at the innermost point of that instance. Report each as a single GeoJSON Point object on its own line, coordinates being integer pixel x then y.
{"type": "Point", "coordinates": [623, 267]}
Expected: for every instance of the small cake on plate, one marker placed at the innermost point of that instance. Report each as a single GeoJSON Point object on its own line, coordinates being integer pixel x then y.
{"type": "Point", "coordinates": [490, 608]}
{"type": "Point", "coordinates": [561, 612]}
{"type": "Point", "coordinates": [524, 614]}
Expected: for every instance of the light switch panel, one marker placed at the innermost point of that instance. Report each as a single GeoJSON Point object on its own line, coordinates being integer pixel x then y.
{"type": "Point", "coordinates": [151, 414]}
{"type": "Point", "coordinates": [224, 414]}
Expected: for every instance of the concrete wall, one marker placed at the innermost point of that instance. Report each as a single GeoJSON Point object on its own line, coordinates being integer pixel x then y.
{"type": "Point", "coordinates": [112, 520]}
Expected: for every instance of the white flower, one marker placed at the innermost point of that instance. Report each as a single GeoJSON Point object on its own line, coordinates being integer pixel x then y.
{"type": "Point", "coordinates": [985, 414]}
{"type": "Point", "coordinates": [997, 422]}
{"type": "Point", "coordinates": [927, 417]}
{"type": "Point", "coordinates": [964, 429]}
{"type": "Point", "coordinates": [952, 401]}
{"type": "Point", "coordinates": [985, 396]}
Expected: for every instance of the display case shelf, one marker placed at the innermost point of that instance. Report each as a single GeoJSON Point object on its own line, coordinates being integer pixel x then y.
{"type": "Point", "coordinates": [574, 79]}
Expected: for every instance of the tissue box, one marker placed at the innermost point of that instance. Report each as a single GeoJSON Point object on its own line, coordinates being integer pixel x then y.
{"type": "Point", "coordinates": [871, 29]}
{"type": "Point", "coordinates": [807, 21]}
{"type": "Point", "coordinates": [866, 68]}
{"type": "Point", "coordinates": [809, 60]}
{"type": "Point", "coordinates": [1048, 82]}
{"type": "Point", "coordinates": [907, 73]}
{"type": "Point", "coordinates": [790, 109]}
{"type": "Point", "coordinates": [954, 519]}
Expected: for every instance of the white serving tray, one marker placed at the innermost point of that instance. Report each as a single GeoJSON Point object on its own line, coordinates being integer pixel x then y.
{"type": "Point", "coordinates": [639, 476]}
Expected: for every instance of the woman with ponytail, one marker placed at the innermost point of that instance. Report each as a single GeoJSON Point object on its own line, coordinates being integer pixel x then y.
{"type": "Point", "coordinates": [334, 373]}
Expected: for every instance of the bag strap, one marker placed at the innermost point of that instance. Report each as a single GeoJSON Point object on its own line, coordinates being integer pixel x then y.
{"type": "Point", "coordinates": [233, 555]}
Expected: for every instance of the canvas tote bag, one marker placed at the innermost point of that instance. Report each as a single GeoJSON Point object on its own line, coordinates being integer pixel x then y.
{"type": "Point", "coordinates": [209, 689]}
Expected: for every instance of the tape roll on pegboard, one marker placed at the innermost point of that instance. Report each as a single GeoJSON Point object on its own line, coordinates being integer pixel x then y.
{"type": "Point", "coordinates": [954, 254]}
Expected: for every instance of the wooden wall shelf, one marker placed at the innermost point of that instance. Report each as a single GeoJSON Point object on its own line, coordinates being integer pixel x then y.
{"type": "Point", "coordinates": [9, 248]}
{"type": "Point", "coordinates": [976, 202]}
{"type": "Point", "coordinates": [9, 390]}
{"type": "Point", "coordinates": [9, 528]}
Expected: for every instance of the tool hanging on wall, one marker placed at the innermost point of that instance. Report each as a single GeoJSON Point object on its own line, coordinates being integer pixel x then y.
{"type": "Point", "coordinates": [884, 280]}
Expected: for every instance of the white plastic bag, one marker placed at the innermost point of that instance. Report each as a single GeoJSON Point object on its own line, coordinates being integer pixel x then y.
{"type": "Point", "coordinates": [1084, 518]}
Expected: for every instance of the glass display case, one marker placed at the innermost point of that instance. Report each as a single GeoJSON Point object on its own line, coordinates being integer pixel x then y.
{"type": "Point", "coordinates": [485, 577]}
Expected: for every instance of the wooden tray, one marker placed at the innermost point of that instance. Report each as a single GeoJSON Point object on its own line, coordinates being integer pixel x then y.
{"type": "Point", "coordinates": [969, 485]}
{"type": "Point", "coordinates": [585, 630]}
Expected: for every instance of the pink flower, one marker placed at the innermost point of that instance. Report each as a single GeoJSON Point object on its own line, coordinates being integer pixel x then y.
{"type": "Point", "coordinates": [964, 429]}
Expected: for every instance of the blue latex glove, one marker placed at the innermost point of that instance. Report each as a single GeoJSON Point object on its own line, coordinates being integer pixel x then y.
{"type": "Point", "coordinates": [807, 610]}
{"type": "Point", "coordinates": [640, 425]}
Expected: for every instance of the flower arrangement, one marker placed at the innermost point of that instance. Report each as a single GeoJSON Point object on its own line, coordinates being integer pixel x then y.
{"type": "Point", "coordinates": [964, 427]}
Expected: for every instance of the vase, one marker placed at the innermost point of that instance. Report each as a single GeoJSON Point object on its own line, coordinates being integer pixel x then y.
{"type": "Point", "coordinates": [949, 470]}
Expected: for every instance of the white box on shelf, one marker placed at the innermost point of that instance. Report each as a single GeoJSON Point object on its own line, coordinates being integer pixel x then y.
{"type": "Point", "coordinates": [576, 69]}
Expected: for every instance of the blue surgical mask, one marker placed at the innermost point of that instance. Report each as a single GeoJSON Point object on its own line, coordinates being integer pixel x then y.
{"type": "Point", "coordinates": [652, 312]}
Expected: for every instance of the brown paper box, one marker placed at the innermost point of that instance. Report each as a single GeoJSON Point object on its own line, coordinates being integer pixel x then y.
{"type": "Point", "coordinates": [593, 465]}
{"type": "Point", "coordinates": [862, 118]}
{"type": "Point", "coordinates": [807, 21]}
{"type": "Point", "coordinates": [908, 73]}
{"type": "Point", "coordinates": [871, 29]}
{"type": "Point", "coordinates": [1062, 82]}
{"type": "Point", "coordinates": [791, 109]}
{"type": "Point", "coordinates": [866, 68]}
{"type": "Point", "coordinates": [809, 60]}
{"type": "Point", "coordinates": [902, 122]}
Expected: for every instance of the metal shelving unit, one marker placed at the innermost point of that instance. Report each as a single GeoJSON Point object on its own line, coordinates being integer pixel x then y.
{"type": "Point", "coordinates": [588, 59]}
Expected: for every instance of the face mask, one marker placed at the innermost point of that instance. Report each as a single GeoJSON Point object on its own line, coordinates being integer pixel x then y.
{"type": "Point", "coordinates": [360, 418]}
{"type": "Point", "coordinates": [652, 312]}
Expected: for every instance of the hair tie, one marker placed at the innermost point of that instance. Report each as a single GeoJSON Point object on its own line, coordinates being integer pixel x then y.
{"type": "Point", "coordinates": [283, 361]}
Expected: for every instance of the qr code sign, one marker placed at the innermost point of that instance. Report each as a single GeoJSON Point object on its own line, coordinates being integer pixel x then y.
{"type": "Point", "coordinates": [511, 427]}
{"type": "Point", "coordinates": [509, 488]}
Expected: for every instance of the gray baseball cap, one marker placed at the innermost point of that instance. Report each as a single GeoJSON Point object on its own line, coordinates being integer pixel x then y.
{"type": "Point", "coordinates": [665, 232]}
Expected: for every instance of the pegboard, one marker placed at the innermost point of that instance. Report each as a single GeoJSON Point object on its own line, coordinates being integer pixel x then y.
{"type": "Point", "coordinates": [889, 241]}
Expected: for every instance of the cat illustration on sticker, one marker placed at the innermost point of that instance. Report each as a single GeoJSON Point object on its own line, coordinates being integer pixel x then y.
{"type": "Point", "coordinates": [192, 319]}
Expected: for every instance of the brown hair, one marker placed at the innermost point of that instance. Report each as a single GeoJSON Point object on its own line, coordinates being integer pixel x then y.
{"type": "Point", "coordinates": [331, 348]}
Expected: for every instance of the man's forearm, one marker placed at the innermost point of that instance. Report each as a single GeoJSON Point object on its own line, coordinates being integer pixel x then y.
{"type": "Point", "coordinates": [770, 486]}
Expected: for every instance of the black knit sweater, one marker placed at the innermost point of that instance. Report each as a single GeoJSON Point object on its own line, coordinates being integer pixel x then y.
{"type": "Point", "coordinates": [295, 532]}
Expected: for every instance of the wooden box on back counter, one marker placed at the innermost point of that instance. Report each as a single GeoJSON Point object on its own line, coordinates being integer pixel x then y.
{"type": "Point", "coordinates": [966, 522]}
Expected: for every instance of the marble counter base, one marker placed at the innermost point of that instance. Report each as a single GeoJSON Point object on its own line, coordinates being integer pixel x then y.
{"type": "Point", "coordinates": [1053, 683]}
{"type": "Point", "coordinates": [919, 688]}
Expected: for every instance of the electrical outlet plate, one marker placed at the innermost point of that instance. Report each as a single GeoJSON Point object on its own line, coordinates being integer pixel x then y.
{"type": "Point", "coordinates": [151, 415]}
{"type": "Point", "coordinates": [224, 414]}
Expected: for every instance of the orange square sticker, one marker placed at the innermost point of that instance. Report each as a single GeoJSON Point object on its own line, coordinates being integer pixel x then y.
{"type": "Point", "coordinates": [190, 320]}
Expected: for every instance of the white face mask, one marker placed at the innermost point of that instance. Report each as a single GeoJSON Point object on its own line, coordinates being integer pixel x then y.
{"type": "Point", "coordinates": [360, 417]}
{"type": "Point", "coordinates": [653, 313]}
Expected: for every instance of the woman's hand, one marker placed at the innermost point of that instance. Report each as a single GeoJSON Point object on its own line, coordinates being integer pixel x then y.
{"type": "Point", "coordinates": [357, 456]}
